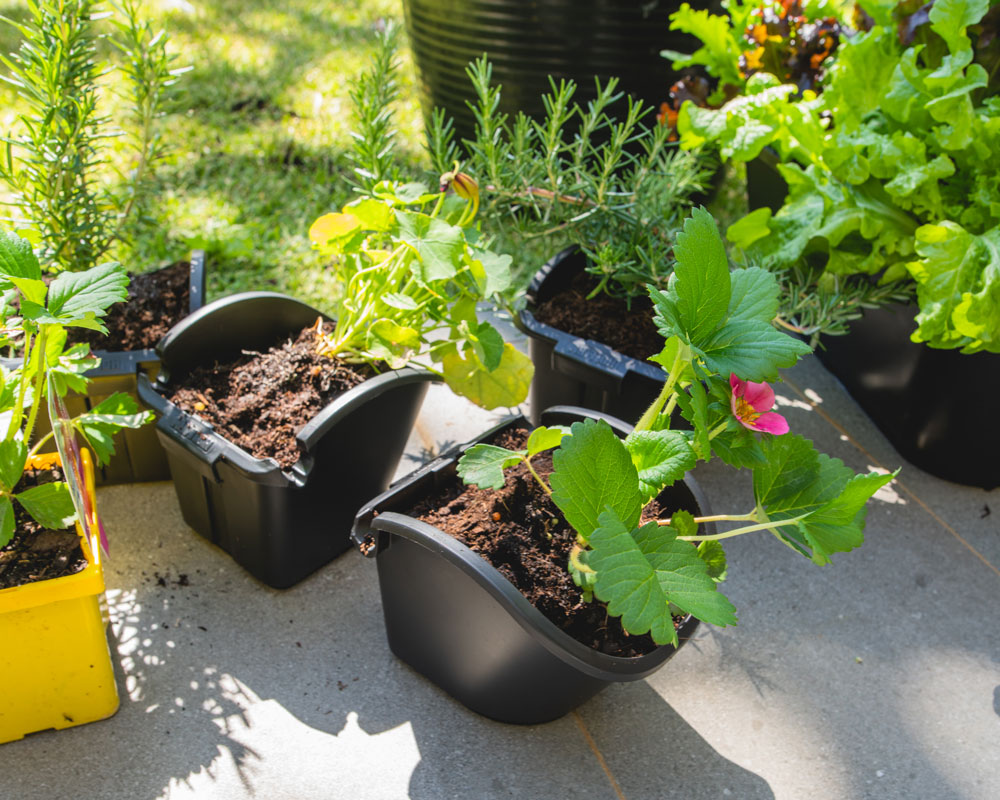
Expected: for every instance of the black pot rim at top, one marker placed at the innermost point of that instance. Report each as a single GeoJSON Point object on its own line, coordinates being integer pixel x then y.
{"type": "Point", "coordinates": [186, 340]}
{"type": "Point", "coordinates": [371, 519]}
{"type": "Point", "coordinates": [588, 353]}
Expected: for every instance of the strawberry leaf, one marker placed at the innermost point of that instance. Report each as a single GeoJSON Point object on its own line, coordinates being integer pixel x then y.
{"type": "Point", "coordinates": [593, 472]}
{"type": "Point", "coordinates": [482, 465]}
{"type": "Point", "coordinates": [640, 573]}
{"type": "Point", "coordinates": [660, 458]}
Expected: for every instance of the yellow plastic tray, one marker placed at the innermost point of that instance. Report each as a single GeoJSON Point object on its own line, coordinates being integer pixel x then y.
{"type": "Point", "coordinates": [55, 664]}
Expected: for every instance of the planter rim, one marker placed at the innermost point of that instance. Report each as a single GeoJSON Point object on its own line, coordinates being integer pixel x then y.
{"type": "Point", "coordinates": [588, 352]}
{"type": "Point", "coordinates": [89, 581]}
{"type": "Point", "coordinates": [209, 445]}
{"type": "Point", "coordinates": [121, 362]}
{"type": "Point", "coordinates": [578, 655]}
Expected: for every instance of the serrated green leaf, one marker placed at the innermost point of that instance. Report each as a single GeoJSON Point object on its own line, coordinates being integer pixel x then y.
{"type": "Point", "coordinates": [701, 276]}
{"type": "Point", "coordinates": [438, 245]}
{"type": "Point", "coordinates": [838, 525]}
{"type": "Point", "coordinates": [593, 471]}
{"type": "Point", "coordinates": [694, 408]}
{"type": "Point", "coordinates": [641, 572]}
{"type": "Point", "coordinates": [714, 556]}
{"type": "Point", "coordinates": [545, 438]}
{"type": "Point", "coordinates": [49, 504]}
{"type": "Point", "coordinates": [751, 350]}
{"type": "Point", "coordinates": [100, 425]}
{"type": "Point", "coordinates": [507, 385]}
{"type": "Point", "coordinates": [660, 458]}
{"type": "Point", "coordinates": [482, 465]}
{"type": "Point", "coordinates": [13, 455]}
{"type": "Point", "coordinates": [17, 259]}
{"type": "Point", "coordinates": [34, 290]}
{"type": "Point", "coordinates": [77, 298]}
{"type": "Point", "coordinates": [755, 295]}
{"type": "Point", "coordinates": [683, 523]}
{"type": "Point", "coordinates": [7, 524]}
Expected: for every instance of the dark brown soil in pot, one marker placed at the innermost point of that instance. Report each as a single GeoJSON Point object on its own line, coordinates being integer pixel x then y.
{"type": "Point", "coordinates": [37, 553]}
{"type": "Point", "coordinates": [260, 401]}
{"type": "Point", "coordinates": [523, 535]}
{"type": "Point", "coordinates": [156, 302]}
{"type": "Point", "coordinates": [605, 319]}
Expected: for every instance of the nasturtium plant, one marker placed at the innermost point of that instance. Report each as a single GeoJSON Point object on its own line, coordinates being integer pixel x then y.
{"type": "Point", "coordinates": [892, 171]}
{"type": "Point", "coordinates": [36, 325]}
{"type": "Point", "coordinates": [719, 348]}
{"type": "Point", "coordinates": [413, 271]}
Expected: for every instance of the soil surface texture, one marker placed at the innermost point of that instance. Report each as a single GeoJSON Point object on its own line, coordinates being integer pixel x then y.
{"type": "Point", "coordinates": [260, 401]}
{"type": "Point", "coordinates": [156, 302]}
{"type": "Point", "coordinates": [603, 318]}
{"type": "Point", "coordinates": [37, 553]}
{"type": "Point", "coordinates": [522, 533]}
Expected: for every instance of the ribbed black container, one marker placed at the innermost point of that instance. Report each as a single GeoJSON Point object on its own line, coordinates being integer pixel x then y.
{"type": "Point", "coordinates": [459, 622]}
{"type": "Point", "coordinates": [528, 41]}
{"type": "Point", "coordinates": [938, 408]}
{"type": "Point", "coordinates": [278, 524]}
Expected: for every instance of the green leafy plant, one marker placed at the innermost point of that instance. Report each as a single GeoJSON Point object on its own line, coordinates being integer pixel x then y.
{"type": "Point", "coordinates": [716, 325]}
{"type": "Point", "coordinates": [413, 274]}
{"type": "Point", "coordinates": [892, 171]}
{"type": "Point", "coordinates": [56, 164]}
{"type": "Point", "coordinates": [613, 186]}
{"type": "Point", "coordinates": [37, 324]}
{"type": "Point", "coordinates": [789, 39]}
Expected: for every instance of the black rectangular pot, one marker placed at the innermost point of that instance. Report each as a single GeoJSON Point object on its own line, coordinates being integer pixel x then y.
{"type": "Point", "coordinates": [138, 454]}
{"type": "Point", "coordinates": [938, 408]}
{"type": "Point", "coordinates": [581, 372]}
{"type": "Point", "coordinates": [459, 622]}
{"type": "Point", "coordinates": [280, 525]}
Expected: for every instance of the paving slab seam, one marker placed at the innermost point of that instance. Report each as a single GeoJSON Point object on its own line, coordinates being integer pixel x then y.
{"type": "Point", "coordinates": [934, 515]}
{"type": "Point", "coordinates": [598, 754]}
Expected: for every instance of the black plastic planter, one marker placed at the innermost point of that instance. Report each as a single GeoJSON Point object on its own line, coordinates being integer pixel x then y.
{"type": "Point", "coordinates": [527, 42]}
{"type": "Point", "coordinates": [581, 372]}
{"type": "Point", "coordinates": [456, 620]}
{"type": "Point", "coordinates": [138, 455]}
{"type": "Point", "coordinates": [280, 525]}
{"type": "Point", "coordinates": [938, 408]}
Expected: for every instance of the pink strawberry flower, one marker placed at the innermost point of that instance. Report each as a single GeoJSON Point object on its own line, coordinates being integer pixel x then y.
{"type": "Point", "coordinates": [752, 403]}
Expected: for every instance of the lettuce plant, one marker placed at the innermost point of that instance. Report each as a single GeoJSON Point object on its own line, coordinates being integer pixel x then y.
{"type": "Point", "coordinates": [892, 171]}
{"type": "Point", "coordinates": [37, 324]}
{"type": "Point", "coordinates": [412, 274]}
{"type": "Point", "coordinates": [719, 347]}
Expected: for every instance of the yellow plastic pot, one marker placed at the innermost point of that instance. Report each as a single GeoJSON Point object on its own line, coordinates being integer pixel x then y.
{"type": "Point", "coordinates": [55, 663]}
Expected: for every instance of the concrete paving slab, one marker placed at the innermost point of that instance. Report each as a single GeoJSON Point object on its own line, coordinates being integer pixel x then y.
{"type": "Point", "coordinates": [876, 677]}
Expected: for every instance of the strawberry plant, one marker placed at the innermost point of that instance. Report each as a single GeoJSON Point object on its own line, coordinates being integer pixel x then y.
{"type": "Point", "coordinates": [719, 350]}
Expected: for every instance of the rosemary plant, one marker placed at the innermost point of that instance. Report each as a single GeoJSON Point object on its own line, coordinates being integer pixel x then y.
{"type": "Point", "coordinates": [52, 165]}
{"type": "Point", "coordinates": [617, 188]}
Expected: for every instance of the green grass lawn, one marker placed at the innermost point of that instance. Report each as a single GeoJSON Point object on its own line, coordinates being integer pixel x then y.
{"type": "Point", "coordinates": [259, 131]}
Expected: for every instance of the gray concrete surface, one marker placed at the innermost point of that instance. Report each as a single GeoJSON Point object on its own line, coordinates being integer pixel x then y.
{"type": "Point", "coordinates": [877, 677]}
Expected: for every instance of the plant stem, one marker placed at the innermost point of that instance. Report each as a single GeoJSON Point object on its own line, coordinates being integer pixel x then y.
{"type": "Point", "coordinates": [747, 529]}
{"type": "Point", "coordinates": [538, 477]}
{"type": "Point", "coordinates": [36, 400]}
{"type": "Point", "coordinates": [17, 414]}
{"type": "Point", "coordinates": [647, 420]}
